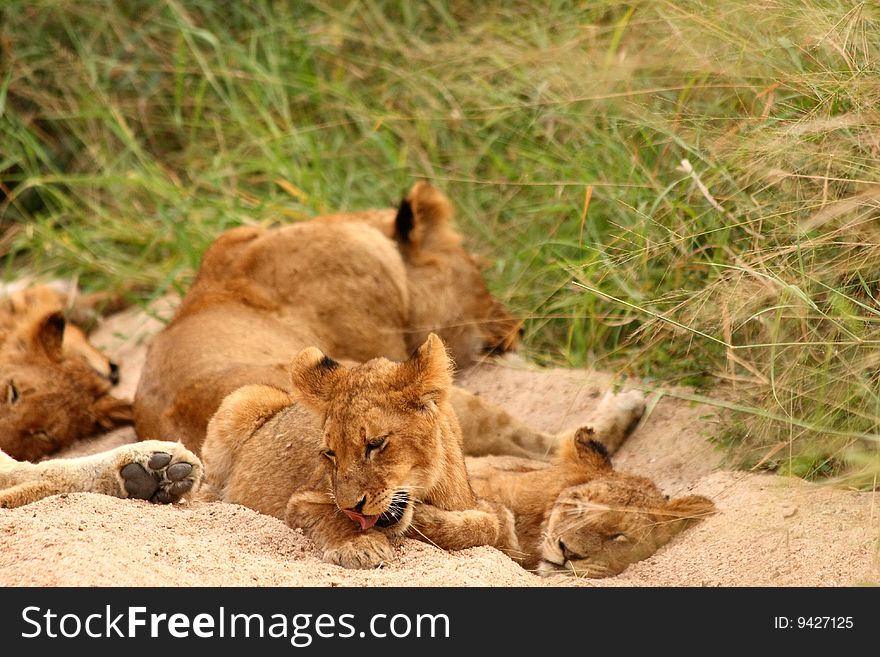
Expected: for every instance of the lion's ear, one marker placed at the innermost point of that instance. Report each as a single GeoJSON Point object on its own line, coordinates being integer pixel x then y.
{"type": "Point", "coordinates": [682, 512]}
{"type": "Point", "coordinates": [583, 450]}
{"type": "Point", "coordinates": [313, 376]}
{"type": "Point", "coordinates": [423, 219]}
{"type": "Point", "coordinates": [590, 450]}
{"type": "Point", "coordinates": [48, 335]}
{"type": "Point", "coordinates": [427, 375]}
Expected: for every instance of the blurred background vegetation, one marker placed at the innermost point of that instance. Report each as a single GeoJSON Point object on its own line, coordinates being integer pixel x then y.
{"type": "Point", "coordinates": [681, 190]}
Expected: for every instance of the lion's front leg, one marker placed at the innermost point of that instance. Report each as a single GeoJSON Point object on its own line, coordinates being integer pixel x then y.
{"type": "Point", "coordinates": [488, 524]}
{"type": "Point", "coordinates": [21, 483]}
{"type": "Point", "coordinates": [22, 494]}
{"type": "Point", "coordinates": [488, 429]}
{"type": "Point", "coordinates": [161, 472]}
{"type": "Point", "coordinates": [338, 538]}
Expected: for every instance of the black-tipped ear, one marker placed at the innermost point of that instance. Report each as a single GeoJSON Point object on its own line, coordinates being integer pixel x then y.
{"type": "Point", "coordinates": [49, 335]}
{"type": "Point", "coordinates": [583, 450]}
{"type": "Point", "coordinates": [423, 220]}
{"type": "Point", "coordinates": [403, 222]}
{"type": "Point", "coordinates": [313, 376]}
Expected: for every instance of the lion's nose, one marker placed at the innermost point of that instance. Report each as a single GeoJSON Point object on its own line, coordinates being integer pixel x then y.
{"type": "Point", "coordinates": [567, 554]}
{"type": "Point", "coordinates": [359, 507]}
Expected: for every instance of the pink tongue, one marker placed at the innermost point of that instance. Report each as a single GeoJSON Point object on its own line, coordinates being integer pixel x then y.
{"type": "Point", "coordinates": [364, 521]}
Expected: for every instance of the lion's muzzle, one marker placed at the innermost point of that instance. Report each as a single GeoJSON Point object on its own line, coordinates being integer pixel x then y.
{"type": "Point", "coordinates": [395, 510]}
{"type": "Point", "coordinates": [387, 518]}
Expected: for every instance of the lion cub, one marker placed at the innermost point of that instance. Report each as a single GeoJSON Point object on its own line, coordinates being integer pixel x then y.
{"type": "Point", "coordinates": [577, 515]}
{"type": "Point", "coordinates": [54, 385]}
{"type": "Point", "coordinates": [355, 456]}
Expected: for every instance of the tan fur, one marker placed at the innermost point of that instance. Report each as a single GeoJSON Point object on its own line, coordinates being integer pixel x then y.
{"type": "Point", "coordinates": [356, 286]}
{"type": "Point", "coordinates": [578, 515]}
{"type": "Point", "coordinates": [378, 441]}
{"type": "Point", "coordinates": [54, 385]}
{"type": "Point", "coordinates": [22, 482]}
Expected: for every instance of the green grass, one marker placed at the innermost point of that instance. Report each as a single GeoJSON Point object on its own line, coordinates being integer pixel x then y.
{"type": "Point", "coordinates": [131, 133]}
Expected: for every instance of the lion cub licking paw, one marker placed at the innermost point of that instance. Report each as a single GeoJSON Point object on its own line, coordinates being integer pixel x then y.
{"type": "Point", "coordinates": [355, 456]}
{"type": "Point", "coordinates": [157, 471]}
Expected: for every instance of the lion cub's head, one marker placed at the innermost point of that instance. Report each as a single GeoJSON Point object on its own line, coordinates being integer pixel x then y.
{"type": "Point", "coordinates": [598, 528]}
{"type": "Point", "coordinates": [386, 429]}
{"type": "Point", "coordinates": [52, 387]}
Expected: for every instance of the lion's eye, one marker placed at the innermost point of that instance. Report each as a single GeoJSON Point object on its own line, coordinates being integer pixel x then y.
{"type": "Point", "coordinates": [376, 445]}
{"type": "Point", "coordinates": [12, 395]}
{"type": "Point", "coordinates": [619, 538]}
{"type": "Point", "coordinates": [329, 454]}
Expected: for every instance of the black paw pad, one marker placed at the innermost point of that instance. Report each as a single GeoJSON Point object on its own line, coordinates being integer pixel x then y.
{"type": "Point", "coordinates": [160, 482]}
{"type": "Point", "coordinates": [159, 460]}
{"type": "Point", "coordinates": [178, 471]}
{"type": "Point", "coordinates": [139, 483]}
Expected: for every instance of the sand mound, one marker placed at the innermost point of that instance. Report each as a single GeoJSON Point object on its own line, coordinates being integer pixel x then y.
{"type": "Point", "coordinates": [87, 539]}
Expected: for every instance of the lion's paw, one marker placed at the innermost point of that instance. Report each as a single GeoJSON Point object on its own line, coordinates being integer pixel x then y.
{"type": "Point", "coordinates": [625, 407]}
{"type": "Point", "coordinates": [160, 472]}
{"type": "Point", "coordinates": [614, 418]}
{"type": "Point", "coordinates": [369, 550]}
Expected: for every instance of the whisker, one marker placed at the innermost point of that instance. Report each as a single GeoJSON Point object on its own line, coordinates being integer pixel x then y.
{"type": "Point", "coordinates": [416, 529]}
{"type": "Point", "coordinates": [510, 551]}
{"type": "Point", "coordinates": [409, 489]}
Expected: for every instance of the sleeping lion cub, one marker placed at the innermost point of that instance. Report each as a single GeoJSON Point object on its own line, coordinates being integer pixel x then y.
{"type": "Point", "coordinates": [55, 389]}
{"type": "Point", "coordinates": [54, 385]}
{"type": "Point", "coordinates": [357, 285]}
{"type": "Point", "coordinates": [577, 515]}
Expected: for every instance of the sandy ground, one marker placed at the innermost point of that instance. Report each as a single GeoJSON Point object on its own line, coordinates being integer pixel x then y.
{"type": "Point", "coordinates": [769, 531]}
